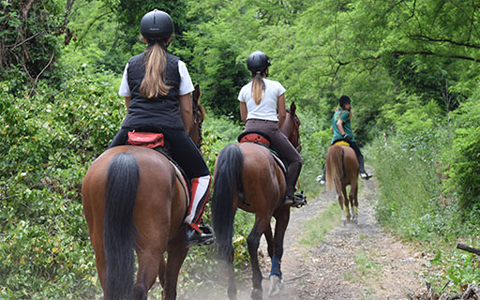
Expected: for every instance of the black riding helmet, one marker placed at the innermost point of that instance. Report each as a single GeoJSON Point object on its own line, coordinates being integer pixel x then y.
{"type": "Point", "coordinates": [258, 62]}
{"type": "Point", "coordinates": [156, 25]}
{"type": "Point", "coordinates": [344, 100]}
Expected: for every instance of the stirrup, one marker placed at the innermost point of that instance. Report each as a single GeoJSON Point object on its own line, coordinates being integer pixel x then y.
{"type": "Point", "coordinates": [299, 200]}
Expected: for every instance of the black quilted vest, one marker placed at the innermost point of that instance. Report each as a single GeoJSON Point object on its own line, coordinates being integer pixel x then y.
{"type": "Point", "coordinates": [156, 113]}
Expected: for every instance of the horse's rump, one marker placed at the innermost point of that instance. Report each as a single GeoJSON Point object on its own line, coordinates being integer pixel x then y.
{"type": "Point", "coordinates": [244, 171]}
{"type": "Point", "coordinates": [131, 199]}
{"type": "Point", "coordinates": [261, 176]}
{"type": "Point", "coordinates": [341, 166]}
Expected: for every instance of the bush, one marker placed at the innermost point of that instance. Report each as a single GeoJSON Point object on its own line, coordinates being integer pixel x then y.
{"type": "Point", "coordinates": [47, 142]}
{"type": "Point", "coordinates": [465, 166]}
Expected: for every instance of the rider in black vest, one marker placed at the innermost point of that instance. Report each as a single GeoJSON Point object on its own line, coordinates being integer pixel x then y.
{"type": "Point", "coordinates": [156, 86]}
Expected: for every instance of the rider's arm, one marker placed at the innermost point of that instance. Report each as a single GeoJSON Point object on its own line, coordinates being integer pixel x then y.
{"type": "Point", "coordinates": [186, 111]}
{"type": "Point", "coordinates": [127, 102]}
{"type": "Point", "coordinates": [281, 113]}
{"type": "Point", "coordinates": [340, 127]}
{"type": "Point", "coordinates": [243, 112]}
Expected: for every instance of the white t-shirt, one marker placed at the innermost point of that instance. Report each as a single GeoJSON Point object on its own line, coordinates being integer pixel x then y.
{"type": "Point", "coordinates": [186, 85]}
{"type": "Point", "coordinates": [267, 109]}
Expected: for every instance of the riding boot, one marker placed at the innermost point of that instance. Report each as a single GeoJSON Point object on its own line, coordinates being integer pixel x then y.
{"type": "Point", "coordinates": [363, 173]}
{"type": "Point", "coordinates": [323, 177]}
{"type": "Point", "coordinates": [196, 234]}
{"type": "Point", "coordinates": [291, 178]}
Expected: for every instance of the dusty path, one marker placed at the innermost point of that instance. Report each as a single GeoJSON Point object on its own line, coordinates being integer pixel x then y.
{"type": "Point", "coordinates": [355, 261]}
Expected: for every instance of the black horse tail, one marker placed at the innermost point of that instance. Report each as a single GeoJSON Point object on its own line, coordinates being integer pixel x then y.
{"type": "Point", "coordinates": [227, 181]}
{"type": "Point", "coordinates": [334, 166]}
{"type": "Point", "coordinates": [118, 236]}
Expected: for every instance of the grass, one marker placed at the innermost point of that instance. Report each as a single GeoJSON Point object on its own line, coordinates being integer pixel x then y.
{"type": "Point", "coordinates": [316, 228]}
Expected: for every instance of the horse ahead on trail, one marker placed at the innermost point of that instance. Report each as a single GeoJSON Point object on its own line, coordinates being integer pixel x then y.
{"type": "Point", "coordinates": [342, 170]}
{"type": "Point", "coordinates": [134, 198]}
{"type": "Point", "coordinates": [248, 177]}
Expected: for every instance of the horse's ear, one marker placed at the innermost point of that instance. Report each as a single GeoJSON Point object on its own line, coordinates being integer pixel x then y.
{"type": "Point", "coordinates": [196, 94]}
{"type": "Point", "coordinates": [293, 107]}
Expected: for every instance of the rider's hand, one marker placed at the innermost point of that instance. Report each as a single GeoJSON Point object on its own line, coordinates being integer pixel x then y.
{"type": "Point", "coordinates": [347, 137]}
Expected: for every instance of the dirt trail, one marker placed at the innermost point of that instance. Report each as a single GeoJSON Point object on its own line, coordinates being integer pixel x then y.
{"type": "Point", "coordinates": [356, 261]}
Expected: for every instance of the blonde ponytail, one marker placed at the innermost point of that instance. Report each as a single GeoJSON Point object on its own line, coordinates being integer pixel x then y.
{"type": "Point", "coordinates": [153, 84]}
{"type": "Point", "coordinates": [257, 88]}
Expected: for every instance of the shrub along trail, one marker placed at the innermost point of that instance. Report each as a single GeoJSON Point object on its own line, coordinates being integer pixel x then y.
{"type": "Point", "coordinates": [356, 261]}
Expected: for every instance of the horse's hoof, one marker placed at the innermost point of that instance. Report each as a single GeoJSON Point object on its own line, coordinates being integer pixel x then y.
{"type": "Point", "coordinates": [257, 294]}
{"type": "Point", "coordinates": [276, 285]}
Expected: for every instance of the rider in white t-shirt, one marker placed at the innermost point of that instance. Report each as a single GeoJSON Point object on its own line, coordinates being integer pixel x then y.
{"type": "Point", "coordinates": [262, 107]}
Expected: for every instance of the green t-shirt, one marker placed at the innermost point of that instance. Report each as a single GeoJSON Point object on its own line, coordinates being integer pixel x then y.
{"type": "Point", "coordinates": [343, 115]}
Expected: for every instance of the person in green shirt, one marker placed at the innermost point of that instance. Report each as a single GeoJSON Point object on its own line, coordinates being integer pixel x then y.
{"type": "Point", "coordinates": [343, 132]}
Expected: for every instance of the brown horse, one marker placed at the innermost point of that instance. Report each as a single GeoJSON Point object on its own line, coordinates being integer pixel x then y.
{"type": "Point", "coordinates": [342, 170]}
{"type": "Point", "coordinates": [247, 177]}
{"type": "Point", "coordinates": [134, 199]}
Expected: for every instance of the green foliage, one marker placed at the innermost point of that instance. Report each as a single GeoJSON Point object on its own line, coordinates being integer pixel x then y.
{"type": "Point", "coordinates": [458, 268]}
{"type": "Point", "coordinates": [29, 37]}
{"type": "Point", "coordinates": [415, 205]}
{"type": "Point", "coordinates": [465, 167]}
{"type": "Point", "coordinates": [48, 141]}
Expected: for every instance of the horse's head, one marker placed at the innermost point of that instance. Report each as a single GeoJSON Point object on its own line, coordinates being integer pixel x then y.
{"type": "Point", "coordinates": [198, 117]}
{"type": "Point", "coordinates": [291, 127]}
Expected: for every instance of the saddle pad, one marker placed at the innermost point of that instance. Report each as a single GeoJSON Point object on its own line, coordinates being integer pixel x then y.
{"type": "Point", "coordinates": [280, 163]}
{"type": "Point", "coordinates": [341, 143]}
{"type": "Point", "coordinates": [183, 181]}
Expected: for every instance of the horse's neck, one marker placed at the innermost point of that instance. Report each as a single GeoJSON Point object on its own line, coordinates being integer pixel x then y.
{"type": "Point", "coordinates": [287, 128]}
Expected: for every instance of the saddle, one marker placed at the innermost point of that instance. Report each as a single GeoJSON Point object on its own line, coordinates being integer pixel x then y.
{"type": "Point", "coordinates": [156, 141]}
{"type": "Point", "coordinates": [254, 137]}
{"type": "Point", "coordinates": [264, 140]}
{"type": "Point", "coordinates": [341, 143]}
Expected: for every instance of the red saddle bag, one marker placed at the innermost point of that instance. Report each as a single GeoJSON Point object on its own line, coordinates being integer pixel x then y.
{"type": "Point", "coordinates": [146, 139]}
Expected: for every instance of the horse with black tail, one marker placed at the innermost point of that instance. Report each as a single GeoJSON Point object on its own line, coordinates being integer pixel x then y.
{"type": "Point", "coordinates": [342, 170]}
{"type": "Point", "coordinates": [135, 198]}
{"type": "Point", "coordinates": [247, 176]}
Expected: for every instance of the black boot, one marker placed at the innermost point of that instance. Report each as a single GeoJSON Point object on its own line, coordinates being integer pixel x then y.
{"type": "Point", "coordinates": [322, 178]}
{"type": "Point", "coordinates": [296, 200]}
{"type": "Point", "coordinates": [201, 237]}
{"type": "Point", "coordinates": [363, 173]}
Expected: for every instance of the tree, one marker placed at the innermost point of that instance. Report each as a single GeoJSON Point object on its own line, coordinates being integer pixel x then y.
{"type": "Point", "coordinates": [29, 36]}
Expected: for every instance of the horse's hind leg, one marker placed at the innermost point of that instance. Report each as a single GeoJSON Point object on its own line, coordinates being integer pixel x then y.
{"type": "Point", "coordinates": [176, 255]}
{"type": "Point", "coordinates": [148, 265]}
{"type": "Point", "coordinates": [270, 242]}
{"type": "Point", "coordinates": [283, 217]}
{"type": "Point", "coordinates": [161, 272]}
{"type": "Point", "coordinates": [340, 201]}
{"type": "Point", "coordinates": [346, 203]}
{"type": "Point", "coordinates": [150, 250]}
{"type": "Point", "coordinates": [253, 242]}
{"type": "Point", "coordinates": [354, 201]}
